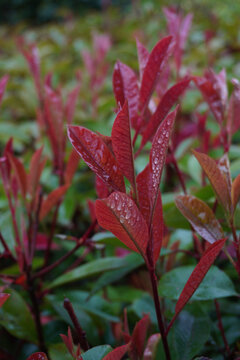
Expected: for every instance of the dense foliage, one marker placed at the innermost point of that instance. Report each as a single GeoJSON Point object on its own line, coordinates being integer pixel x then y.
{"type": "Point", "coordinates": [120, 185]}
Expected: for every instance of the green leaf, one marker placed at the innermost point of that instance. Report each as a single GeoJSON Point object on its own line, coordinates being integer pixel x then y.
{"type": "Point", "coordinates": [145, 305]}
{"type": "Point", "coordinates": [16, 318]}
{"type": "Point", "coordinates": [188, 335]}
{"type": "Point", "coordinates": [216, 284]}
{"type": "Point", "coordinates": [59, 352]}
{"type": "Point", "coordinates": [97, 353]}
{"type": "Point", "coordinates": [95, 267]}
{"type": "Point", "coordinates": [133, 261]}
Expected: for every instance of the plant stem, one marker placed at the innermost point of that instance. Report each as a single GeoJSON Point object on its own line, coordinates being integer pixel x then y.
{"type": "Point", "coordinates": [80, 242]}
{"type": "Point", "coordinates": [80, 333]}
{"type": "Point", "coordinates": [158, 312]}
{"type": "Point", "coordinates": [220, 326]}
{"type": "Point", "coordinates": [36, 312]}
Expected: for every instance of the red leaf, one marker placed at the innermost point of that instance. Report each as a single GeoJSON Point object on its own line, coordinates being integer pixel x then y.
{"type": "Point", "coordinates": [122, 144]}
{"type": "Point", "coordinates": [152, 70]}
{"type": "Point", "coordinates": [38, 356]}
{"type": "Point", "coordinates": [235, 191]}
{"type": "Point", "coordinates": [52, 199]}
{"type": "Point", "coordinates": [200, 216]}
{"type": "Point", "coordinates": [71, 166]}
{"type": "Point", "coordinates": [157, 228]}
{"type": "Point", "coordinates": [217, 180]}
{"type": "Point", "coordinates": [68, 341]}
{"type": "Point", "coordinates": [138, 337]}
{"type": "Point", "coordinates": [3, 83]}
{"type": "Point", "coordinates": [120, 215]}
{"type": "Point", "coordinates": [96, 155]}
{"type": "Point", "coordinates": [102, 189]}
{"type": "Point", "coordinates": [198, 274]}
{"type": "Point", "coordinates": [3, 298]}
{"type": "Point", "coordinates": [20, 173]}
{"type": "Point", "coordinates": [143, 188]}
{"type": "Point", "coordinates": [36, 168]}
{"type": "Point", "coordinates": [224, 167]}
{"type": "Point", "coordinates": [125, 86]}
{"type": "Point", "coordinates": [167, 101]}
{"type": "Point", "coordinates": [143, 56]}
{"type": "Point", "coordinates": [158, 152]}
{"type": "Point", "coordinates": [71, 104]}
{"type": "Point", "coordinates": [213, 89]}
{"type": "Point", "coordinates": [117, 353]}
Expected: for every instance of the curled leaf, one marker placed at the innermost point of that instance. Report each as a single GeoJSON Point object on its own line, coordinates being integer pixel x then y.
{"type": "Point", "coordinates": [120, 215]}
{"type": "Point", "coordinates": [200, 216]}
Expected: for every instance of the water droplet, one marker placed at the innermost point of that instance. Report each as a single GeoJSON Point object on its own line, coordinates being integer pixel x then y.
{"type": "Point", "coordinates": [122, 219]}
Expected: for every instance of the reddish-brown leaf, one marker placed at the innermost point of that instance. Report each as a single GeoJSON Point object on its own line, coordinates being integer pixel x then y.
{"type": "Point", "coordinates": [198, 274]}
{"type": "Point", "coordinates": [52, 199]}
{"type": "Point", "coordinates": [224, 167]}
{"type": "Point", "coordinates": [200, 216]}
{"type": "Point", "coordinates": [158, 152]}
{"type": "Point", "coordinates": [68, 341]}
{"type": "Point", "coordinates": [38, 356]}
{"type": "Point", "coordinates": [71, 167]}
{"type": "Point", "coordinates": [71, 104]}
{"type": "Point", "coordinates": [217, 180]}
{"type": "Point", "coordinates": [125, 86]}
{"type": "Point", "coordinates": [96, 155]}
{"type": "Point", "coordinates": [167, 101]}
{"type": "Point", "coordinates": [120, 215]}
{"type": "Point", "coordinates": [101, 187]}
{"type": "Point", "coordinates": [235, 191]}
{"type": "Point", "coordinates": [117, 353]}
{"type": "Point", "coordinates": [143, 56]}
{"type": "Point", "coordinates": [3, 83]}
{"type": "Point", "coordinates": [157, 228]}
{"type": "Point", "coordinates": [138, 337]}
{"type": "Point", "coordinates": [143, 188]}
{"type": "Point", "coordinates": [122, 144]}
{"type": "Point", "coordinates": [152, 70]}
{"type": "Point", "coordinates": [20, 173]}
{"type": "Point", "coordinates": [144, 182]}
{"type": "Point", "coordinates": [3, 298]}
{"type": "Point", "coordinates": [36, 168]}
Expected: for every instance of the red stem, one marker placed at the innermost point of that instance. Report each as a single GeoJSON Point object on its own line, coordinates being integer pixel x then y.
{"type": "Point", "coordinates": [220, 326]}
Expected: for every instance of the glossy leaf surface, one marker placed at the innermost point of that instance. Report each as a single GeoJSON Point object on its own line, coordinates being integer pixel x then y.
{"type": "Point", "coordinates": [96, 155]}
{"type": "Point", "coordinates": [164, 106]}
{"type": "Point", "coordinates": [97, 352]}
{"type": "Point", "coordinates": [150, 351]}
{"type": "Point", "coordinates": [200, 216]}
{"type": "Point", "coordinates": [122, 144]}
{"type": "Point", "coordinates": [217, 180]}
{"type": "Point", "coordinates": [152, 70]}
{"type": "Point", "coordinates": [198, 274]}
{"type": "Point", "coordinates": [120, 215]}
{"type": "Point", "coordinates": [158, 152]}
